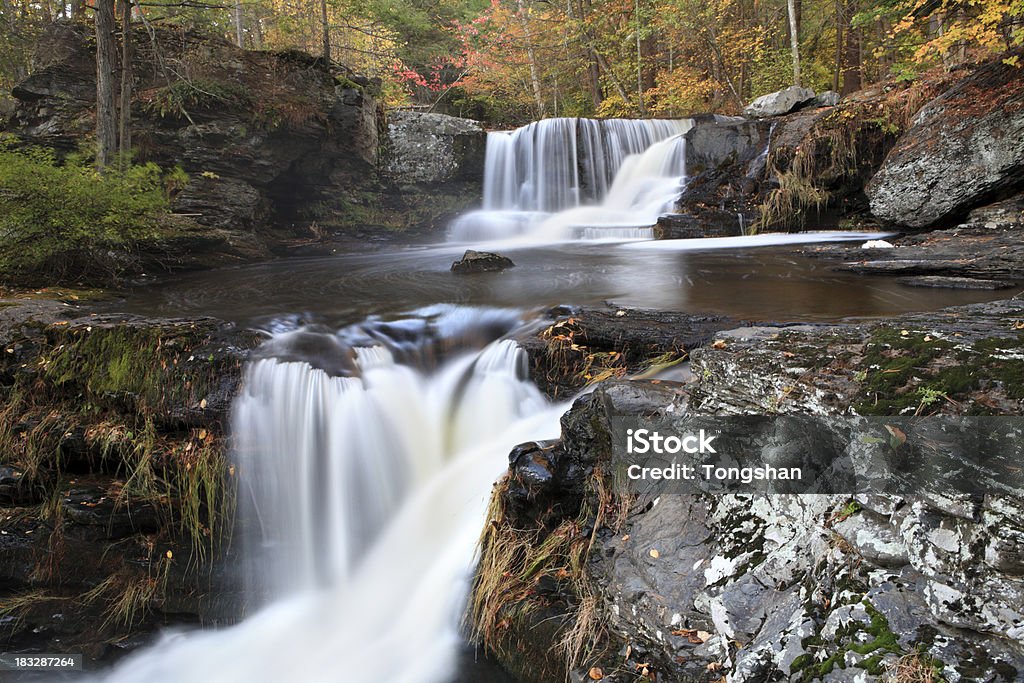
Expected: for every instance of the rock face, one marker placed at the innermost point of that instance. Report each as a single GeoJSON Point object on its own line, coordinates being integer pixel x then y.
{"type": "Point", "coordinates": [986, 246]}
{"type": "Point", "coordinates": [725, 167]}
{"type": "Point", "coordinates": [586, 344]}
{"type": "Point", "coordinates": [964, 147]}
{"type": "Point", "coordinates": [262, 135]}
{"type": "Point", "coordinates": [481, 262]}
{"type": "Point", "coordinates": [433, 148]}
{"type": "Point", "coordinates": [694, 586]}
{"type": "Point", "coordinates": [279, 149]}
{"type": "Point", "coordinates": [113, 476]}
{"type": "Point", "coordinates": [779, 103]}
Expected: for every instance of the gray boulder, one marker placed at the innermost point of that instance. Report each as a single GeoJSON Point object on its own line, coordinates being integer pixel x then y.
{"type": "Point", "coordinates": [829, 98]}
{"type": "Point", "coordinates": [963, 148]}
{"type": "Point", "coordinates": [432, 148]}
{"type": "Point", "coordinates": [779, 103]}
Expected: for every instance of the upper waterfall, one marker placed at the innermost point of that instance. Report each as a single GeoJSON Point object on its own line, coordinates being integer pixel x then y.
{"type": "Point", "coordinates": [569, 177]}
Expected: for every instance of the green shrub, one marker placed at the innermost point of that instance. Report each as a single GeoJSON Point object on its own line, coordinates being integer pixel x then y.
{"type": "Point", "coordinates": [67, 222]}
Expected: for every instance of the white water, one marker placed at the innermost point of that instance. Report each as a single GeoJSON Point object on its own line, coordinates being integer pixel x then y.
{"type": "Point", "coordinates": [366, 495]}
{"type": "Point", "coordinates": [560, 179]}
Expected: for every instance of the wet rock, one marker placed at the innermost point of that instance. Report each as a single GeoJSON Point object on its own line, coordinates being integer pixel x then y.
{"type": "Point", "coordinates": [607, 341]}
{"type": "Point", "coordinates": [15, 487]}
{"type": "Point", "coordinates": [723, 142]}
{"type": "Point", "coordinates": [779, 103]}
{"type": "Point", "coordinates": [790, 586]}
{"type": "Point", "coordinates": [103, 516]}
{"type": "Point", "coordinates": [967, 251]}
{"type": "Point", "coordinates": [980, 122]}
{"type": "Point", "coordinates": [688, 227]}
{"type": "Point", "coordinates": [954, 282]}
{"type": "Point", "coordinates": [481, 262]}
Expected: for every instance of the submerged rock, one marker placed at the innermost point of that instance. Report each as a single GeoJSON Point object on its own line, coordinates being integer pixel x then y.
{"type": "Point", "coordinates": [481, 262]}
{"type": "Point", "coordinates": [954, 282]}
{"type": "Point", "coordinates": [780, 102]}
{"type": "Point", "coordinates": [964, 147]}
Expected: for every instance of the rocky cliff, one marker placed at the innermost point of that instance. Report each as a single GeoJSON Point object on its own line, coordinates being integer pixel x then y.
{"type": "Point", "coordinates": [279, 149]}
{"type": "Point", "coordinates": [582, 577]}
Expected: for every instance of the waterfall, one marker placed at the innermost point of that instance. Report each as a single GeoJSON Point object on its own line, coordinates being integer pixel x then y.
{"type": "Point", "coordinates": [362, 498]}
{"type": "Point", "coordinates": [571, 178]}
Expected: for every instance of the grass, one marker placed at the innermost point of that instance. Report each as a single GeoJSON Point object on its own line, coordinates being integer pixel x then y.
{"type": "Point", "coordinates": [840, 152]}
{"type": "Point", "coordinates": [127, 597]}
{"type": "Point", "coordinates": [513, 561]}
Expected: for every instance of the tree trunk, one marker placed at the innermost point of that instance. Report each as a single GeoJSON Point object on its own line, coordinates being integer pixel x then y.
{"type": "Point", "coordinates": [326, 26]}
{"type": "Point", "coordinates": [106, 65]}
{"type": "Point", "coordinates": [639, 64]}
{"type": "Point", "coordinates": [851, 62]}
{"type": "Point", "coordinates": [794, 39]}
{"type": "Point", "coordinates": [840, 22]}
{"type": "Point", "coordinates": [124, 124]}
{"type": "Point", "coordinates": [538, 95]}
{"type": "Point", "coordinates": [593, 63]}
{"type": "Point", "coordinates": [239, 35]}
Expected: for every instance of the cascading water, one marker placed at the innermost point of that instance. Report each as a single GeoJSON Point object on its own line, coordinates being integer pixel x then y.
{"type": "Point", "coordinates": [362, 497]}
{"type": "Point", "coordinates": [564, 178]}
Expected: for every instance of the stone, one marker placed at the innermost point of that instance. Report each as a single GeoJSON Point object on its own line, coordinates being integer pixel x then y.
{"type": "Point", "coordinates": [963, 148]}
{"type": "Point", "coordinates": [829, 98]}
{"type": "Point", "coordinates": [954, 282]}
{"type": "Point", "coordinates": [481, 262]}
{"type": "Point", "coordinates": [779, 103]}
{"type": "Point", "coordinates": [432, 148]}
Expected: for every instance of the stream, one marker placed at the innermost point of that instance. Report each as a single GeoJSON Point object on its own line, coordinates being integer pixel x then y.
{"type": "Point", "coordinates": [366, 465]}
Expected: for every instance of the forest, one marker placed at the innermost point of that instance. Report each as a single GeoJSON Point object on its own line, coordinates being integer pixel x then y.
{"type": "Point", "coordinates": [506, 62]}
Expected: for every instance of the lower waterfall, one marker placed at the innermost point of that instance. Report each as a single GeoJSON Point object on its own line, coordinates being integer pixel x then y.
{"type": "Point", "coordinates": [362, 497]}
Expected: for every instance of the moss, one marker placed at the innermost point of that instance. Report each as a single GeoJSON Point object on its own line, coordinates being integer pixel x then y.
{"type": "Point", "coordinates": [144, 367]}
{"type": "Point", "coordinates": [874, 638]}
{"type": "Point", "coordinates": [904, 373]}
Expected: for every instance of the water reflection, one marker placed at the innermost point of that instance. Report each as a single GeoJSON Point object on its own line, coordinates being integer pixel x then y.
{"type": "Point", "coordinates": [767, 283]}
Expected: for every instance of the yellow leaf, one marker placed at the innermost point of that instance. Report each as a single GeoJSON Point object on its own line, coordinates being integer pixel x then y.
{"type": "Point", "coordinates": [654, 553]}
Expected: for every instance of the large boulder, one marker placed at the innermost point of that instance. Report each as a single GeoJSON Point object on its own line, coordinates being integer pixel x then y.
{"type": "Point", "coordinates": [433, 148]}
{"type": "Point", "coordinates": [780, 102]}
{"type": "Point", "coordinates": [964, 147]}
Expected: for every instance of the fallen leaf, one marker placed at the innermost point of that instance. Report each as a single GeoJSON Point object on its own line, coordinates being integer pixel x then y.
{"type": "Point", "coordinates": [595, 674]}
{"type": "Point", "coordinates": [169, 555]}
{"type": "Point", "coordinates": [719, 344]}
{"type": "Point", "coordinates": [898, 436]}
{"type": "Point", "coordinates": [202, 404]}
{"type": "Point", "coordinates": [654, 553]}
